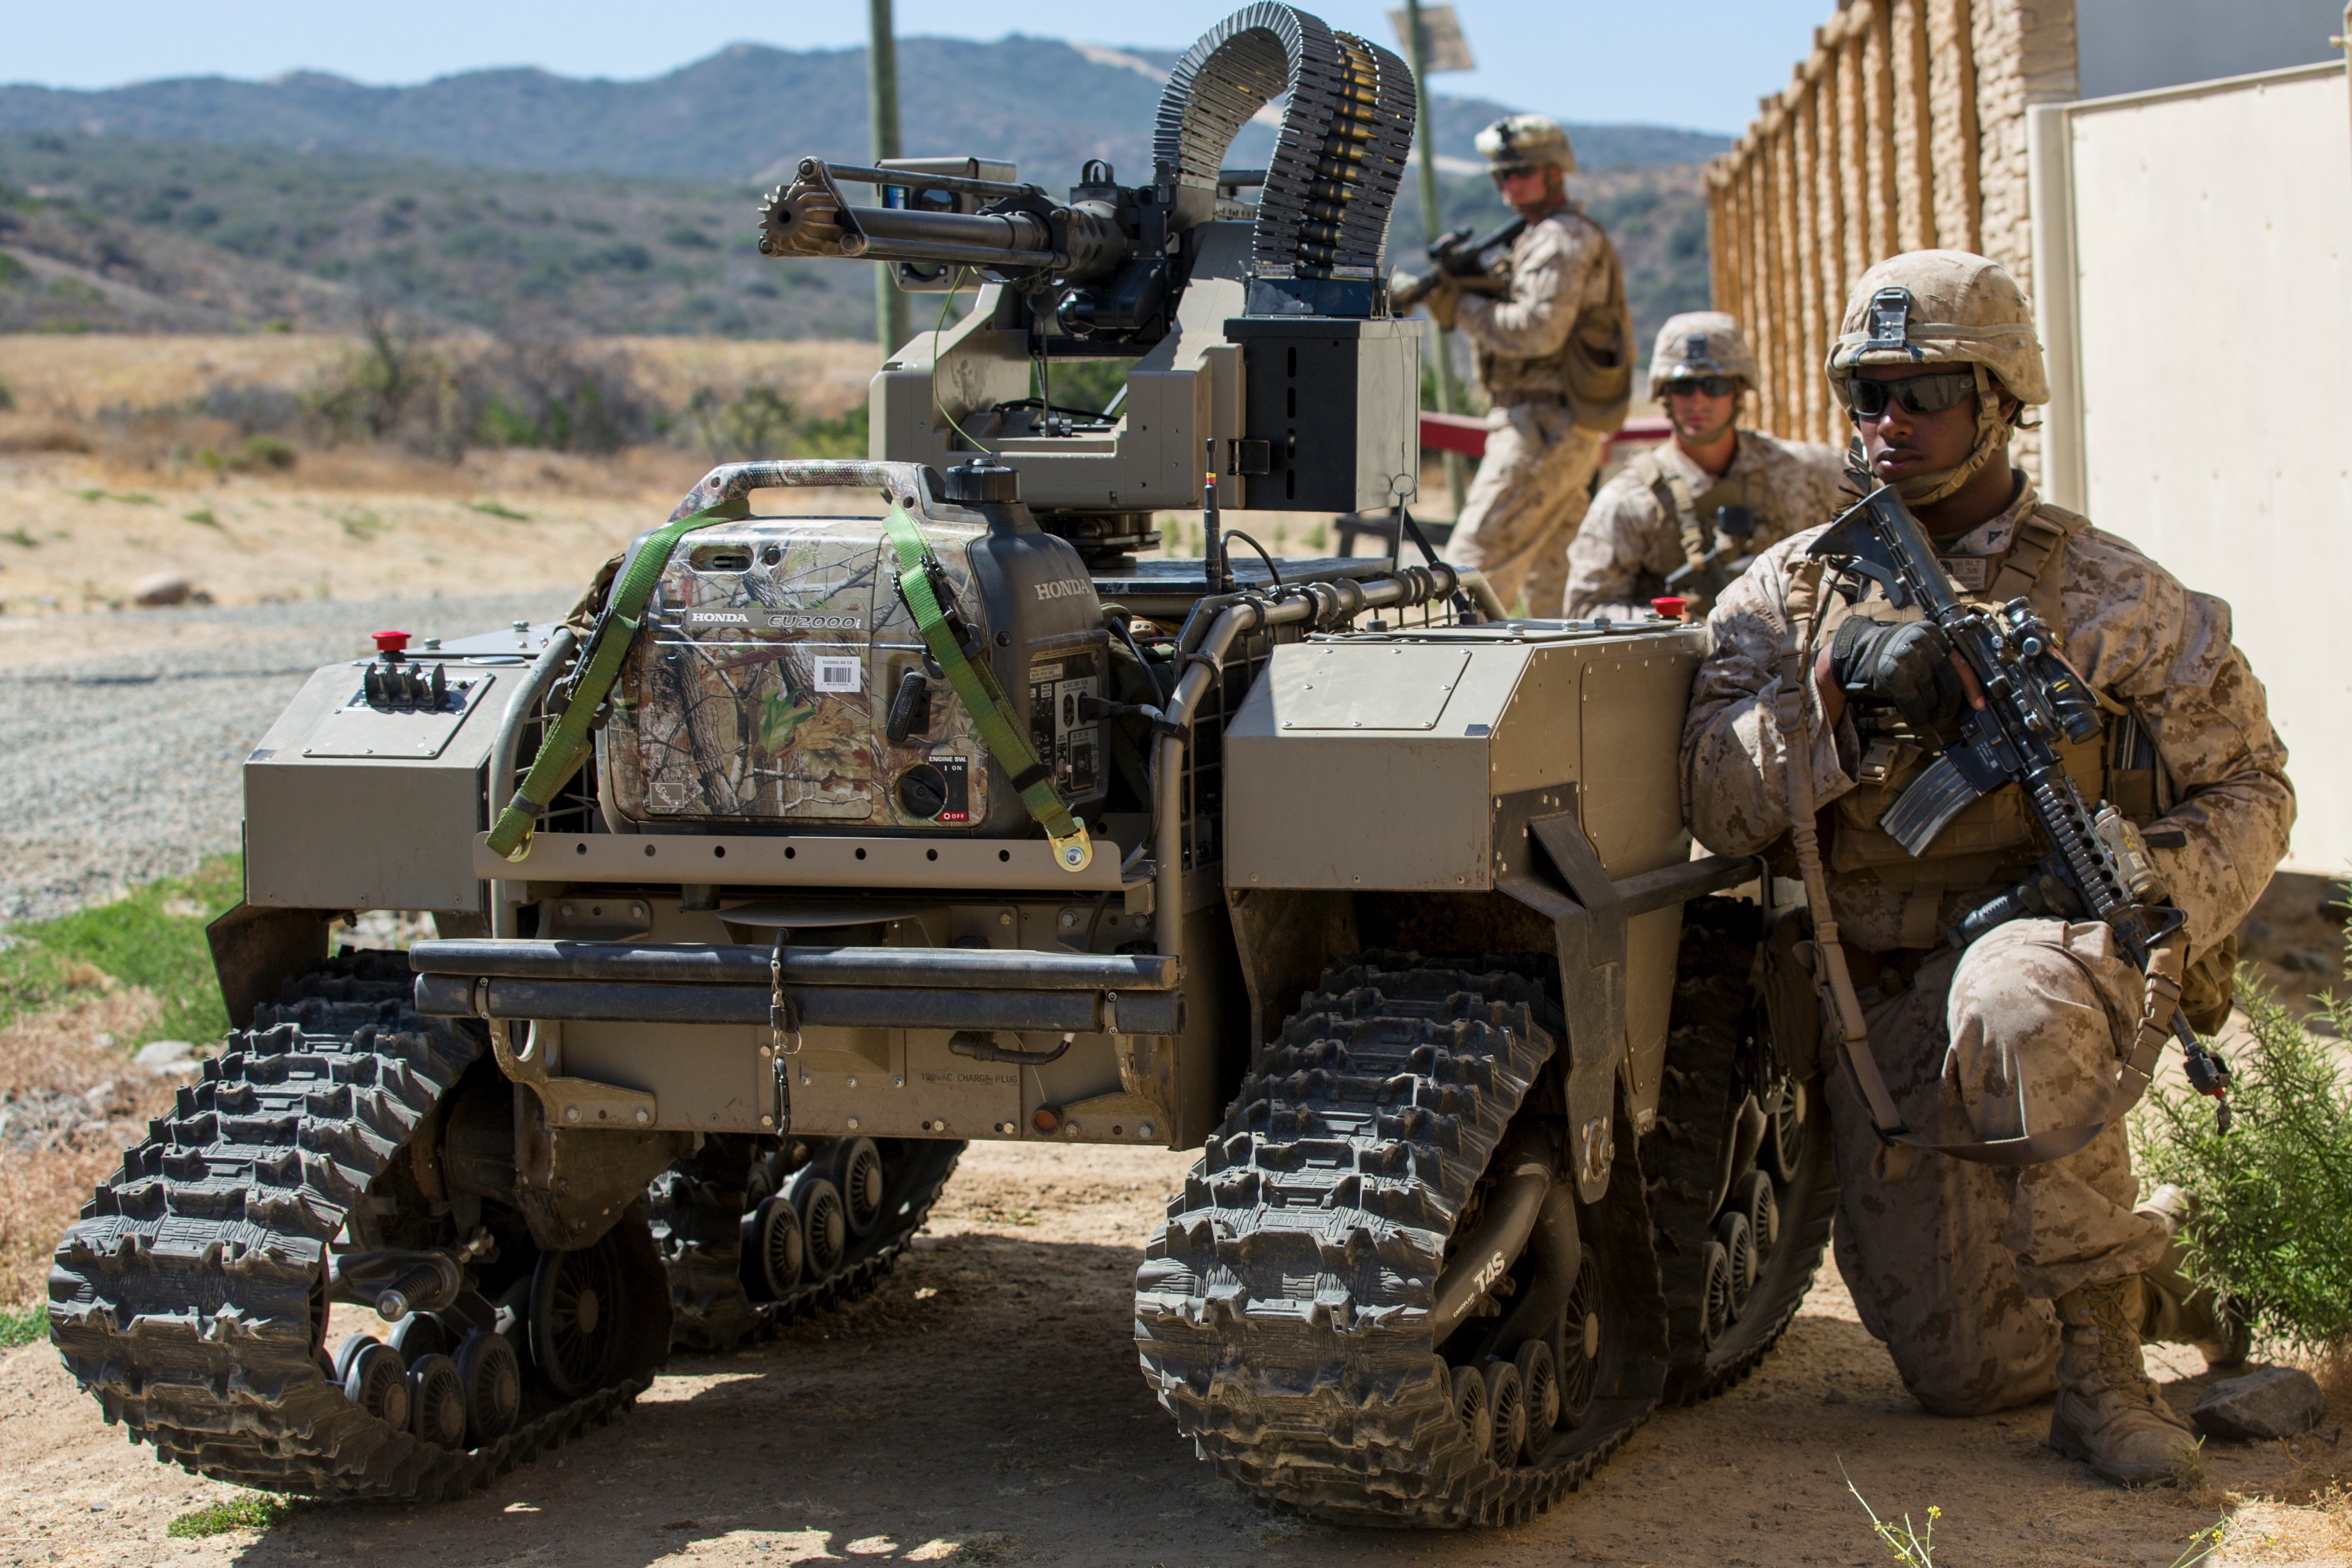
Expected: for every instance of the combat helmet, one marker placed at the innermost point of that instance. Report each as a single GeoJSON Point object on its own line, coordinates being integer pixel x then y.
{"type": "Point", "coordinates": [1932, 307]}
{"type": "Point", "coordinates": [1702, 342]}
{"type": "Point", "coordinates": [1519, 142]}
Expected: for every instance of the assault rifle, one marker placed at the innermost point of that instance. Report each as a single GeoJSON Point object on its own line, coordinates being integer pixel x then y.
{"type": "Point", "coordinates": [1727, 557]}
{"type": "Point", "coordinates": [2098, 866]}
{"type": "Point", "coordinates": [1456, 253]}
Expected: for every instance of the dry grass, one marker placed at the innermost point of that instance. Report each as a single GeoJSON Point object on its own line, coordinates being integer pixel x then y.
{"type": "Point", "coordinates": [74, 377]}
{"type": "Point", "coordinates": [79, 1050]}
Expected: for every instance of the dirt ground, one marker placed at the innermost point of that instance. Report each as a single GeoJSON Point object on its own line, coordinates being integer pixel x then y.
{"type": "Point", "coordinates": [985, 1408]}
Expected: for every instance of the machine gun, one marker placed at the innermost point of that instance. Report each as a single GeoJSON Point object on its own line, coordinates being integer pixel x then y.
{"type": "Point", "coordinates": [1712, 573]}
{"type": "Point", "coordinates": [1262, 351]}
{"type": "Point", "coordinates": [1097, 265]}
{"type": "Point", "coordinates": [1477, 259]}
{"type": "Point", "coordinates": [2098, 866]}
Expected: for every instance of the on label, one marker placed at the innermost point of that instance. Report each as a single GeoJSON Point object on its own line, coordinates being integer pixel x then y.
{"type": "Point", "coordinates": [836, 673]}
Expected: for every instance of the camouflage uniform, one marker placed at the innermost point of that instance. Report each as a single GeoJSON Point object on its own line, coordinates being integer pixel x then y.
{"type": "Point", "coordinates": [1954, 1263]}
{"type": "Point", "coordinates": [1632, 538]}
{"type": "Point", "coordinates": [1660, 512]}
{"type": "Point", "coordinates": [1536, 351]}
{"type": "Point", "coordinates": [1991, 1284]}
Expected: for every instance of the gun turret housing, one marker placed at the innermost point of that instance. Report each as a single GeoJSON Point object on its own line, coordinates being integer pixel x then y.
{"type": "Point", "coordinates": [1262, 351]}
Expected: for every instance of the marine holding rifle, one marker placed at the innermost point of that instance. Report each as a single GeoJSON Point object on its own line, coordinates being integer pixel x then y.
{"type": "Point", "coordinates": [1684, 518]}
{"type": "Point", "coordinates": [1554, 351]}
{"type": "Point", "coordinates": [1997, 1266]}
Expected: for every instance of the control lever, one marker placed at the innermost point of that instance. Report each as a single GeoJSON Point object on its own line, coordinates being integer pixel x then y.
{"type": "Point", "coordinates": [910, 708]}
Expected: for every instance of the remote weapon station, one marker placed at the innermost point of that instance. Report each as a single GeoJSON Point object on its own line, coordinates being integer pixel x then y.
{"type": "Point", "coordinates": [867, 808]}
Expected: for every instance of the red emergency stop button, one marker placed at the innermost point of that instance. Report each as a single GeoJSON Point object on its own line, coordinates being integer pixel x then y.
{"type": "Point", "coordinates": [1670, 605]}
{"type": "Point", "coordinates": [390, 642]}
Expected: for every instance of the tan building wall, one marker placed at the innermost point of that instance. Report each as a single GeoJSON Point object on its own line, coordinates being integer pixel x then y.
{"type": "Point", "coordinates": [1905, 128]}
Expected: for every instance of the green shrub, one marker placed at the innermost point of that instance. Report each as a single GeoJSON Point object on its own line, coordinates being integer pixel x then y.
{"type": "Point", "coordinates": [247, 1510]}
{"type": "Point", "coordinates": [23, 1328]}
{"type": "Point", "coordinates": [2274, 1194]}
{"type": "Point", "coordinates": [260, 455]}
{"type": "Point", "coordinates": [761, 422]}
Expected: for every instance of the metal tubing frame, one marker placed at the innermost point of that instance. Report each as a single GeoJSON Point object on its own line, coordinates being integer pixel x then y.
{"type": "Point", "coordinates": [1241, 614]}
{"type": "Point", "coordinates": [561, 643]}
{"type": "Point", "coordinates": [825, 1006]}
{"type": "Point", "coordinates": [987, 969]}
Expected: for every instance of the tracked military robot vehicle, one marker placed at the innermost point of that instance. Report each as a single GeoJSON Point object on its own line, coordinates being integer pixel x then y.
{"type": "Point", "coordinates": [873, 807]}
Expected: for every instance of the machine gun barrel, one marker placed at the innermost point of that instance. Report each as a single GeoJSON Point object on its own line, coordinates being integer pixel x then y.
{"type": "Point", "coordinates": [1024, 231]}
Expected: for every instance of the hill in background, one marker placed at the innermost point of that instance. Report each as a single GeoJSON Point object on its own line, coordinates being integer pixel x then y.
{"type": "Point", "coordinates": [743, 114]}
{"type": "Point", "coordinates": [521, 202]}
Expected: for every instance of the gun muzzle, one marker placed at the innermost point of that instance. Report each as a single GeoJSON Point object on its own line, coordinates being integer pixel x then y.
{"type": "Point", "coordinates": [811, 218]}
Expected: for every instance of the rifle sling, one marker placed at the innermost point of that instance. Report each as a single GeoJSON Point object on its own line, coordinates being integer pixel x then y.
{"type": "Point", "coordinates": [2037, 546]}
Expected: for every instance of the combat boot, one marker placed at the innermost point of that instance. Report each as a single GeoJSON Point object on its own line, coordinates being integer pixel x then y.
{"type": "Point", "coordinates": [2109, 1413]}
{"type": "Point", "coordinates": [2178, 1310]}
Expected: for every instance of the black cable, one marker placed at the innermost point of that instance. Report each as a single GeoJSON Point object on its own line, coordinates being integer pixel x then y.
{"type": "Point", "coordinates": [1158, 695]}
{"type": "Point", "coordinates": [1095, 924]}
{"type": "Point", "coordinates": [1233, 533]}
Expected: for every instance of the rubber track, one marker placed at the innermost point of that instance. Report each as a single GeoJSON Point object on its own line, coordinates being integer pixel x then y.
{"type": "Point", "coordinates": [1281, 1311]}
{"type": "Point", "coordinates": [182, 1298]}
{"type": "Point", "coordinates": [1715, 1017]}
{"type": "Point", "coordinates": [696, 1226]}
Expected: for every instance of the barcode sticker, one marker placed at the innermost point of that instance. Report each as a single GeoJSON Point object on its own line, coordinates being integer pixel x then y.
{"type": "Point", "coordinates": [838, 674]}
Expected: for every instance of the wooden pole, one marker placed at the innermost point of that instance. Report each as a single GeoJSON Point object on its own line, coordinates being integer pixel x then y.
{"type": "Point", "coordinates": [1449, 394]}
{"type": "Point", "coordinates": [882, 97]}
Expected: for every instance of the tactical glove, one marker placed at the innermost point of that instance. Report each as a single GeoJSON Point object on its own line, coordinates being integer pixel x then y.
{"type": "Point", "coordinates": [1907, 665]}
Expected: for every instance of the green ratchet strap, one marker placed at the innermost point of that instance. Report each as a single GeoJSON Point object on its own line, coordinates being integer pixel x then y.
{"type": "Point", "coordinates": [985, 700]}
{"type": "Point", "coordinates": [566, 745]}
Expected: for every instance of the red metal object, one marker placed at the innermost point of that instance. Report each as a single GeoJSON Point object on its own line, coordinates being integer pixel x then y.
{"type": "Point", "coordinates": [1670, 605]}
{"type": "Point", "coordinates": [1462, 433]}
{"type": "Point", "coordinates": [390, 642]}
{"type": "Point", "coordinates": [1466, 433]}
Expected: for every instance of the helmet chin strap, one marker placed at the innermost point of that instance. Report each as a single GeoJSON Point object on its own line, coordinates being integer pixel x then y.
{"type": "Point", "coordinates": [1992, 437]}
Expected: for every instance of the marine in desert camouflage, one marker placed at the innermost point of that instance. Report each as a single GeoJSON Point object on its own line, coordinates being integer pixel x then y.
{"type": "Point", "coordinates": [1684, 518]}
{"type": "Point", "coordinates": [1992, 1286]}
{"type": "Point", "coordinates": [1554, 354]}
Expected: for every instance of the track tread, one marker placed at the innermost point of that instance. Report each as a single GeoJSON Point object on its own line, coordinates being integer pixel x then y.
{"type": "Point", "coordinates": [181, 1298]}
{"type": "Point", "coordinates": [1281, 1311]}
{"type": "Point", "coordinates": [1715, 1017]}
{"type": "Point", "coordinates": [696, 1228]}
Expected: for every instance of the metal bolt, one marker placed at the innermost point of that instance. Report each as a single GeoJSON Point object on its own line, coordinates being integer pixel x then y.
{"type": "Point", "coordinates": [1145, 1129]}
{"type": "Point", "coordinates": [637, 912]}
{"type": "Point", "coordinates": [643, 1116]}
{"type": "Point", "coordinates": [570, 1113]}
{"type": "Point", "coordinates": [850, 1080]}
{"type": "Point", "coordinates": [1004, 918]}
{"type": "Point", "coordinates": [567, 911]}
{"type": "Point", "coordinates": [767, 1121]}
{"type": "Point", "coordinates": [852, 1124]}
{"type": "Point", "coordinates": [805, 1079]}
{"type": "Point", "coordinates": [897, 1083]}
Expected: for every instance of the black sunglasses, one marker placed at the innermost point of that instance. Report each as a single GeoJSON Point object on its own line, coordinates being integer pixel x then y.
{"type": "Point", "coordinates": [1713, 385]}
{"type": "Point", "coordinates": [1915, 395]}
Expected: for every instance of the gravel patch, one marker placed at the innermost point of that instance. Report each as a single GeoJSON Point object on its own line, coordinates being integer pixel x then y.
{"type": "Point", "coordinates": [125, 767]}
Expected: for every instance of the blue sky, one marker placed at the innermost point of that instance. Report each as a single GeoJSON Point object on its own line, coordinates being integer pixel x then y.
{"type": "Point", "coordinates": [1582, 59]}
